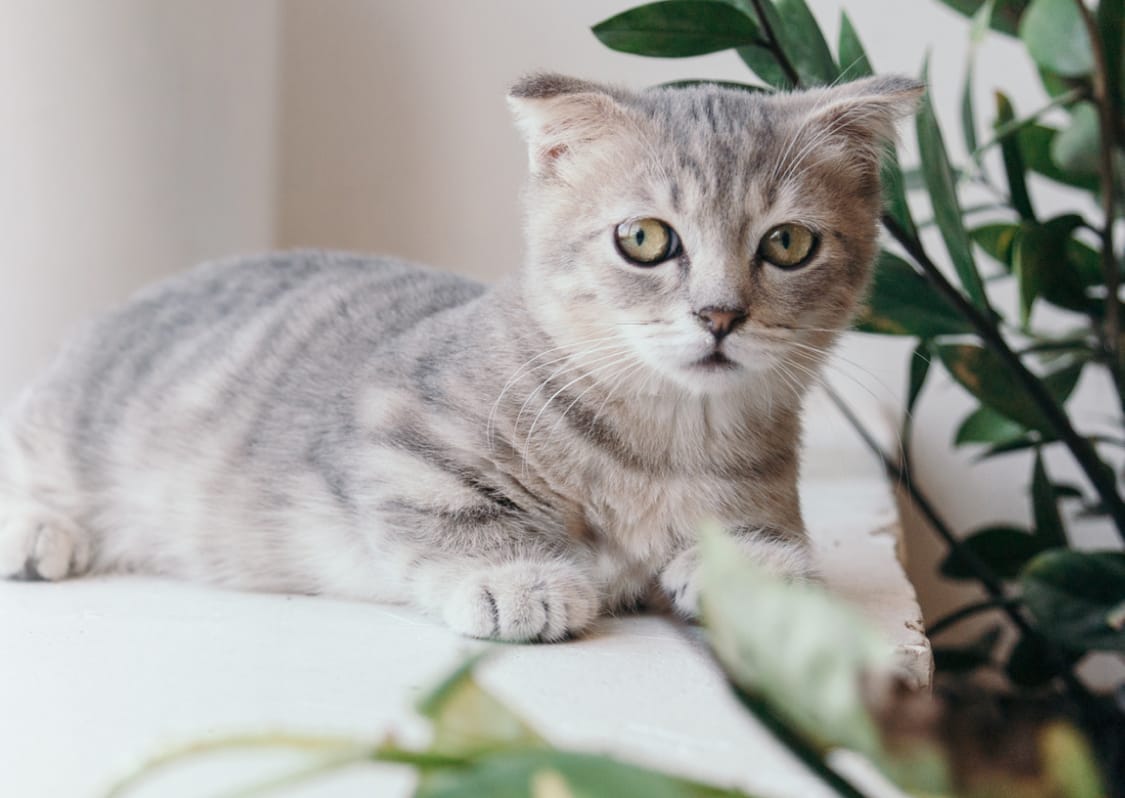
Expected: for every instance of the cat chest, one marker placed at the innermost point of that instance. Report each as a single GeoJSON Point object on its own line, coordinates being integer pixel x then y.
{"type": "Point", "coordinates": [649, 519]}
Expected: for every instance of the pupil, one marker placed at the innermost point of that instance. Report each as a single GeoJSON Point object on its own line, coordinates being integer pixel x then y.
{"type": "Point", "coordinates": [785, 239]}
{"type": "Point", "coordinates": [640, 237]}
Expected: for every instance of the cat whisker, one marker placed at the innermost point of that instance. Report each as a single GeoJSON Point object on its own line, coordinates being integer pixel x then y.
{"type": "Point", "coordinates": [593, 384]}
{"type": "Point", "coordinates": [490, 424]}
{"type": "Point", "coordinates": [614, 359]}
{"type": "Point", "coordinates": [819, 379]}
{"type": "Point", "coordinates": [556, 372]}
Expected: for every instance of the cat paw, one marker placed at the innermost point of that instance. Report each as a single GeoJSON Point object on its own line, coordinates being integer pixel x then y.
{"type": "Point", "coordinates": [523, 601]}
{"type": "Point", "coordinates": [681, 579]}
{"type": "Point", "coordinates": [39, 544]}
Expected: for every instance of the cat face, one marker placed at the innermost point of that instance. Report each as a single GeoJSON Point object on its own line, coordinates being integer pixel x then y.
{"type": "Point", "coordinates": [703, 236]}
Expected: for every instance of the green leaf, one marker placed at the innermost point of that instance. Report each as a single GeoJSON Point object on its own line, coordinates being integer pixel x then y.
{"type": "Point", "coordinates": [854, 63]}
{"type": "Point", "coordinates": [977, 653]}
{"type": "Point", "coordinates": [559, 774]}
{"type": "Point", "coordinates": [467, 719]}
{"type": "Point", "coordinates": [765, 66]}
{"type": "Point", "coordinates": [1111, 30]}
{"type": "Point", "coordinates": [677, 28]}
{"type": "Point", "coordinates": [1076, 150]}
{"type": "Point", "coordinates": [919, 368]}
{"type": "Point", "coordinates": [1043, 268]}
{"type": "Point", "coordinates": [998, 240]}
{"type": "Point", "coordinates": [985, 425]}
{"type": "Point", "coordinates": [1013, 160]}
{"type": "Point", "coordinates": [722, 84]}
{"type": "Point", "coordinates": [1030, 664]}
{"type": "Point", "coordinates": [1013, 446]}
{"type": "Point", "coordinates": [1086, 260]}
{"type": "Point", "coordinates": [798, 36]}
{"type": "Point", "coordinates": [902, 302]}
{"type": "Point", "coordinates": [943, 197]}
{"type": "Point", "coordinates": [1004, 549]}
{"type": "Point", "coordinates": [1005, 17]}
{"type": "Point", "coordinates": [968, 115]}
{"type": "Point", "coordinates": [987, 377]}
{"type": "Point", "coordinates": [1048, 523]}
{"type": "Point", "coordinates": [1062, 382]}
{"type": "Point", "coordinates": [804, 43]}
{"type": "Point", "coordinates": [1078, 598]}
{"type": "Point", "coordinates": [1056, 38]}
{"type": "Point", "coordinates": [894, 193]}
{"type": "Point", "coordinates": [981, 20]}
{"type": "Point", "coordinates": [759, 58]}
{"type": "Point", "coordinates": [808, 673]}
{"type": "Point", "coordinates": [1036, 143]}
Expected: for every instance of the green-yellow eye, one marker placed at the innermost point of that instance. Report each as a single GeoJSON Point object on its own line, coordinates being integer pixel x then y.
{"type": "Point", "coordinates": [787, 245]}
{"type": "Point", "coordinates": [647, 242]}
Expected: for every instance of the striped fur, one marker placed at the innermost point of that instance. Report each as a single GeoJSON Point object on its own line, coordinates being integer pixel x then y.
{"type": "Point", "coordinates": [515, 459]}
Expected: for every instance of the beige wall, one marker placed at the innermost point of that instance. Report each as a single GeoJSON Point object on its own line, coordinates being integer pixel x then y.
{"type": "Point", "coordinates": [137, 137]}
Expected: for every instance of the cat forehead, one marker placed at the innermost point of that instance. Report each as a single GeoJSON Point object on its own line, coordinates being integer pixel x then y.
{"type": "Point", "coordinates": [718, 111]}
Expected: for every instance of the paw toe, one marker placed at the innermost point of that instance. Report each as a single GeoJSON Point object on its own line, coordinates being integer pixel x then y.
{"type": "Point", "coordinates": [40, 546]}
{"type": "Point", "coordinates": [522, 602]}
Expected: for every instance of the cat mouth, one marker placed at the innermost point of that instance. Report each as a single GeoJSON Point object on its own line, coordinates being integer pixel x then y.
{"type": "Point", "coordinates": [716, 361]}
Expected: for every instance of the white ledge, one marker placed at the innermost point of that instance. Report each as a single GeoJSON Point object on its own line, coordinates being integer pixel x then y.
{"type": "Point", "coordinates": [98, 675]}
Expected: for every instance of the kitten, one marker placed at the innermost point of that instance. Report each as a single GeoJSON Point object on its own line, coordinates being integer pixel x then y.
{"type": "Point", "coordinates": [515, 459]}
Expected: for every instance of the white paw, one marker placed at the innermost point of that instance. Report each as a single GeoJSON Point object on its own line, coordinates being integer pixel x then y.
{"type": "Point", "coordinates": [36, 543]}
{"type": "Point", "coordinates": [522, 601]}
{"type": "Point", "coordinates": [789, 560]}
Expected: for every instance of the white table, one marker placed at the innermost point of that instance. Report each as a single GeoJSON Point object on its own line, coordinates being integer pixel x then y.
{"type": "Point", "coordinates": [97, 675]}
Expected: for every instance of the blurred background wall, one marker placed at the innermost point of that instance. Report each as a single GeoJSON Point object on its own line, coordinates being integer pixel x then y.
{"type": "Point", "coordinates": [139, 137]}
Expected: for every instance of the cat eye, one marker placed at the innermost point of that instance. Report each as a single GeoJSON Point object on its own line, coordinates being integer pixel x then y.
{"type": "Point", "coordinates": [647, 242]}
{"type": "Point", "coordinates": [787, 245]}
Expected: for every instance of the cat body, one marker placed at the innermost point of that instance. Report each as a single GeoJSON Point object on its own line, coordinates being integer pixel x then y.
{"type": "Point", "coordinates": [516, 459]}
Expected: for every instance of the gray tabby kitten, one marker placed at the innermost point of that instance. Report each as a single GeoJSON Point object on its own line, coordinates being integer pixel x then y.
{"type": "Point", "coordinates": [515, 459]}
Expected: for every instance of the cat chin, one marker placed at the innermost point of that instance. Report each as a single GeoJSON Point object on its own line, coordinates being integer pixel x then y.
{"type": "Point", "coordinates": [706, 378]}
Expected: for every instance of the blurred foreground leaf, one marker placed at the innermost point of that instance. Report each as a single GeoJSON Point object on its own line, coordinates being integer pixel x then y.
{"type": "Point", "coordinates": [560, 774]}
{"type": "Point", "coordinates": [467, 719]}
{"type": "Point", "coordinates": [808, 672]}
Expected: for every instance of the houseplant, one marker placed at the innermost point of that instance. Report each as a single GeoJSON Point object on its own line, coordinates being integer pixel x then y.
{"type": "Point", "coordinates": [828, 692]}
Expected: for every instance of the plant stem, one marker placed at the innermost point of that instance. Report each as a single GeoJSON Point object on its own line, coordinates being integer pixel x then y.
{"type": "Point", "coordinates": [1099, 474]}
{"type": "Point", "coordinates": [1108, 129]}
{"type": "Point", "coordinates": [968, 611]}
{"type": "Point", "coordinates": [991, 583]}
{"type": "Point", "coordinates": [797, 744]}
{"type": "Point", "coordinates": [773, 44]}
{"type": "Point", "coordinates": [894, 470]}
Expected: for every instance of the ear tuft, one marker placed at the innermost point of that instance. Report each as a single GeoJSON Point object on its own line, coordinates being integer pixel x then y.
{"type": "Point", "coordinates": [541, 85]}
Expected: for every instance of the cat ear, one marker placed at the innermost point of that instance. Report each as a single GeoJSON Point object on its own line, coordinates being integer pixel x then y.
{"type": "Point", "coordinates": [864, 112]}
{"type": "Point", "coordinates": [560, 116]}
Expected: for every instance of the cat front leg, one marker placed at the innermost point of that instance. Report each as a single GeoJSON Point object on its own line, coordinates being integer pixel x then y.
{"type": "Point", "coordinates": [779, 553]}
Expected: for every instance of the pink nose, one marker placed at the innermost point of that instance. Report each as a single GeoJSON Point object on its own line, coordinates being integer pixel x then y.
{"type": "Point", "coordinates": [720, 322]}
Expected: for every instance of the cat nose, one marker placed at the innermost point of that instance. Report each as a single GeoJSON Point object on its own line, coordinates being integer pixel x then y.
{"type": "Point", "coordinates": [720, 322]}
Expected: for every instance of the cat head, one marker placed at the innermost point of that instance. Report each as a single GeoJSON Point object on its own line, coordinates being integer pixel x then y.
{"type": "Point", "coordinates": [710, 235]}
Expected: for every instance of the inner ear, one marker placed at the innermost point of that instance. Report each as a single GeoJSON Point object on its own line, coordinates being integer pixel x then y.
{"type": "Point", "coordinates": [564, 119]}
